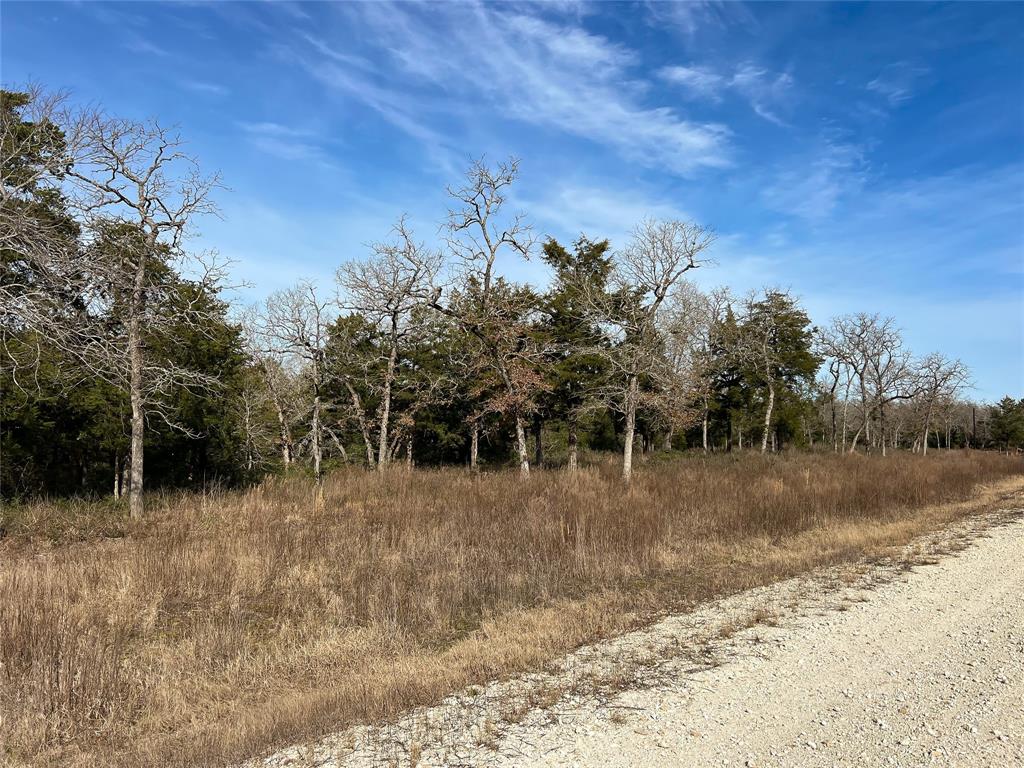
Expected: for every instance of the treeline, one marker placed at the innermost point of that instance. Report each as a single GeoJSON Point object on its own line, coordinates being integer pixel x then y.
{"type": "Point", "coordinates": [123, 363]}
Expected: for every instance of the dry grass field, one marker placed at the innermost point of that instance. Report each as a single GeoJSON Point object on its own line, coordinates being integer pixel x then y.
{"type": "Point", "coordinates": [226, 624]}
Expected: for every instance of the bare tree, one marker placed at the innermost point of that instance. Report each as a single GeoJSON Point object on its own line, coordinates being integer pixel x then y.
{"type": "Point", "coordinates": [386, 289]}
{"type": "Point", "coordinates": [279, 384]}
{"type": "Point", "coordinates": [294, 326]}
{"type": "Point", "coordinates": [872, 347]}
{"type": "Point", "coordinates": [39, 135]}
{"type": "Point", "coordinates": [250, 405]}
{"type": "Point", "coordinates": [890, 371]}
{"type": "Point", "coordinates": [642, 277]}
{"type": "Point", "coordinates": [838, 345]}
{"type": "Point", "coordinates": [132, 171]}
{"type": "Point", "coordinates": [494, 312]}
{"type": "Point", "coordinates": [282, 392]}
{"type": "Point", "coordinates": [691, 324]}
{"type": "Point", "coordinates": [129, 185]}
{"type": "Point", "coordinates": [940, 380]}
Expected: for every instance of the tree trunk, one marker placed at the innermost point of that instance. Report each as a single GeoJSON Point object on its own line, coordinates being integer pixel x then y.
{"type": "Point", "coordinates": [538, 440]}
{"type": "Point", "coordinates": [927, 426]}
{"type": "Point", "coordinates": [846, 412]}
{"type": "Point", "coordinates": [286, 438]}
{"type": "Point", "coordinates": [385, 399]}
{"type": "Point", "coordinates": [117, 475]}
{"type": "Point", "coordinates": [866, 426]}
{"type": "Point", "coordinates": [408, 453]}
{"type": "Point", "coordinates": [524, 455]}
{"type": "Point", "coordinates": [337, 444]}
{"type": "Point", "coordinates": [135, 353]}
{"type": "Point", "coordinates": [835, 432]}
{"type": "Point", "coordinates": [768, 417]}
{"type": "Point", "coordinates": [317, 448]}
{"type": "Point", "coordinates": [573, 447]}
{"type": "Point", "coordinates": [474, 446]}
{"type": "Point", "coordinates": [704, 427]}
{"type": "Point", "coordinates": [357, 407]}
{"type": "Point", "coordinates": [881, 426]}
{"type": "Point", "coordinates": [668, 438]}
{"type": "Point", "coordinates": [627, 448]}
{"type": "Point", "coordinates": [856, 437]}
{"type": "Point", "coordinates": [249, 457]}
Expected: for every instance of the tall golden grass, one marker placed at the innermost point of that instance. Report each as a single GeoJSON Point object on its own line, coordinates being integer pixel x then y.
{"type": "Point", "coordinates": [227, 624]}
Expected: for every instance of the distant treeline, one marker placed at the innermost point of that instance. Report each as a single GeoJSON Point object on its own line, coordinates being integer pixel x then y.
{"type": "Point", "coordinates": [118, 346]}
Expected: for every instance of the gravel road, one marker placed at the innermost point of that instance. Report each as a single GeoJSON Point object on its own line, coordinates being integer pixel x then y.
{"type": "Point", "coordinates": [928, 671]}
{"type": "Point", "coordinates": [916, 662]}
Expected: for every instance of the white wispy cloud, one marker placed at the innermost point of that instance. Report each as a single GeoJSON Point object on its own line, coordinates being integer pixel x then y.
{"type": "Point", "coordinates": [201, 86]}
{"type": "Point", "coordinates": [286, 142]}
{"type": "Point", "coordinates": [963, 225]}
{"type": "Point", "coordinates": [528, 68]}
{"type": "Point", "coordinates": [699, 81]}
{"type": "Point", "coordinates": [341, 57]}
{"type": "Point", "coordinates": [765, 91]}
{"type": "Point", "coordinates": [689, 18]}
{"type": "Point", "coordinates": [139, 44]}
{"type": "Point", "coordinates": [896, 82]}
{"type": "Point", "coordinates": [813, 186]}
{"type": "Point", "coordinates": [596, 210]}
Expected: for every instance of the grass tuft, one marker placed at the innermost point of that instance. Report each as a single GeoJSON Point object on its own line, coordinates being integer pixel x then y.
{"type": "Point", "coordinates": [225, 625]}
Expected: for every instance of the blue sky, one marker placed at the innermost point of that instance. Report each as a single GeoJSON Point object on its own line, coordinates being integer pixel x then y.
{"type": "Point", "coordinates": [867, 156]}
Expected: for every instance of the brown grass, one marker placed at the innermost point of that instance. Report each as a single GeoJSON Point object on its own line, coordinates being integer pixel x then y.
{"type": "Point", "coordinates": [226, 625]}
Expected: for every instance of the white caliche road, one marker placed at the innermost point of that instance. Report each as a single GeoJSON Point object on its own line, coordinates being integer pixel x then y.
{"type": "Point", "coordinates": [928, 671]}
{"type": "Point", "coordinates": [858, 666]}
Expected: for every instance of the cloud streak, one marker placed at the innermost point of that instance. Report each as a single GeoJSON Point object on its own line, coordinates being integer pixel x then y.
{"type": "Point", "coordinates": [551, 75]}
{"type": "Point", "coordinates": [814, 186]}
{"type": "Point", "coordinates": [896, 82]}
{"type": "Point", "coordinates": [763, 90]}
{"type": "Point", "coordinates": [286, 142]}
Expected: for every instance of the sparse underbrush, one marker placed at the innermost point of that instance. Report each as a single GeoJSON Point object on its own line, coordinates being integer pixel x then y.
{"type": "Point", "coordinates": [224, 625]}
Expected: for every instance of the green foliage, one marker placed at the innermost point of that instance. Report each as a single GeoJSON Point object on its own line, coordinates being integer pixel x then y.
{"type": "Point", "coordinates": [62, 430]}
{"type": "Point", "coordinates": [495, 352]}
{"type": "Point", "coordinates": [199, 443]}
{"type": "Point", "coordinates": [573, 367]}
{"type": "Point", "coordinates": [1007, 423]}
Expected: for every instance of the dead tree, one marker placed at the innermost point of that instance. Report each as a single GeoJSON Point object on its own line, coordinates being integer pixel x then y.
{"type": "Point", "coordinates": [386, 289]}
{"type": "Point", "coordinates": [494, 312]}
{"type": "Point", "coordinates": [278, 382]}
{"type": "Point", "coordinates": [136, 172]}
{"type": "Point", "coordinates": [691, 324]}
{"type": "Point", "coordinates": [940, 380]}
{"type": "Point", "coordinates": [872, 347]}
{"type": "Point", "coordinates": [890, 372]}
{"type": "Point", "coordinates": [294, 327]}
{"type": "Point", "coordinates": [838, 346]}
{"type": "Point", "coordinates": [642, 276]}
{"type": "Point", "coordinates": [134, 193]}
